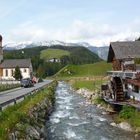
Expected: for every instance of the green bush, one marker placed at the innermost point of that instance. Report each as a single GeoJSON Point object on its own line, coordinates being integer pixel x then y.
{"type": "Point", "coordinates": [99, 100]}
{"type": "Point", "coordinates": [4, 87]}
{"type": "Point", "coordinates": [131, 115]}
{"type": "Point", "coordinates": [127, 112]}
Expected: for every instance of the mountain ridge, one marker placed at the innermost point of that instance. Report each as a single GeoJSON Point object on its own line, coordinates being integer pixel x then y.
{"type": "Point", "coordinates": [100, 51]}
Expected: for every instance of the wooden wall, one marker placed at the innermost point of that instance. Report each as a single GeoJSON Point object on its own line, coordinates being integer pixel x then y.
{"type": "Point", "coordinates": [116, 65]}
{"type": "Point", "coordinates": [1, 72]}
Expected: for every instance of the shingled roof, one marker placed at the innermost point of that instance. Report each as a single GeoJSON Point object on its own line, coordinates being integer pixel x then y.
{"type": "Point", "coordinates": [121, 50]}
{"type": "Point", "coordinates": [12, 63]}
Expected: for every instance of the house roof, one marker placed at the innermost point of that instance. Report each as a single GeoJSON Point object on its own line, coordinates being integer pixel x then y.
{"type": "Point", "coordinates": [12, 63]}
{"type": "Point", "coordinates": [121, 50]}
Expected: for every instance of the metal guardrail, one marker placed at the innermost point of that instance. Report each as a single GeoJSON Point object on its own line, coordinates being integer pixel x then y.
{"type": "Point", "coordinates": [14, 100]}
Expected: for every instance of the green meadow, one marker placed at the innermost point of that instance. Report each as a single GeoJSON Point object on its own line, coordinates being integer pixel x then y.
{"type": "Point", "coordinates": [53, 53]}
{"type": "Point", "coordinates": [86, 70]}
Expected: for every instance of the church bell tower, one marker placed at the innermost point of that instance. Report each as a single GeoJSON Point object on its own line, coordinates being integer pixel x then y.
{"type": "Point", "coordinates": [1, 49]}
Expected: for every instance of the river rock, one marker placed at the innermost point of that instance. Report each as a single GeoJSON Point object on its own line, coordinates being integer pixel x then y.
{"type": "Point", "coordinates": [113, 124]}
{"type": "Point", "coordinates": [104, 113]}
{"type": "Point", "coordinates": [137, 136]}
{"type": "Point", "coordinates": [33, 133]}
{"type": "Point", "coordinates": [12, 136]}
{"type": "Point", "coordinates": [124, 125]}
{"type": "Point", "coordinates": [99, 105]}
{"type": "Point", "coordinates": [137, 130]}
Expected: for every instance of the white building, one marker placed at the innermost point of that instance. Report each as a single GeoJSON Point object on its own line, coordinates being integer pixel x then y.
{"type": "Point", "coordinates": [8, 67]}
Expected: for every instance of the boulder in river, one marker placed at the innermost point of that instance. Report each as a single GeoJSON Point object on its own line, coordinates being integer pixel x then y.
{"type": "Point", "coordinates": [113, 124]}
{"type": "Point", "coordinates": [124, 125]}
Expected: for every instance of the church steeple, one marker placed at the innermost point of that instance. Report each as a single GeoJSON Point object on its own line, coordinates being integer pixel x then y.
{"type": "Point", "coordinates": [1, 49]}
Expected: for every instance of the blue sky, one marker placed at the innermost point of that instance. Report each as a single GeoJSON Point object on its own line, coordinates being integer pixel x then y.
{"type": "Point", "coordinates": [94, 21]}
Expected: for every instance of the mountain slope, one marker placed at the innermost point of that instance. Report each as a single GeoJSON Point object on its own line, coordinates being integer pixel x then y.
{"type": "Point", "coordinates": [102, 52]}
{"type": "Point", "coordinates": [53, 53]}
{"type": "Point", "coordinates": [78, 55]}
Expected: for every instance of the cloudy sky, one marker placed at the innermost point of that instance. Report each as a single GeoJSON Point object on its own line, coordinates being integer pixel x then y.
{"type": "Point", "coordinates": [94, 21]}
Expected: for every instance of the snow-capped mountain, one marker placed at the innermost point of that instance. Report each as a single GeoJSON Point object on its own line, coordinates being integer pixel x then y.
{"type": "Point", "coordinates": [100, 51]}
{"type": "Point", "coordinates": [17, 46]}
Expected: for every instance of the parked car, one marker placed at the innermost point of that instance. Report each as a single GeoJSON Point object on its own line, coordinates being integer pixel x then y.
{"type": "Point", "coordinates": [26, 82]}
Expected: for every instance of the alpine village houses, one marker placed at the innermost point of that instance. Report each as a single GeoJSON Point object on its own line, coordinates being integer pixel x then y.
{"type": "Point", "coordinates": [7, 66]}
{"type": "Point", "coordinates": [124, 82]}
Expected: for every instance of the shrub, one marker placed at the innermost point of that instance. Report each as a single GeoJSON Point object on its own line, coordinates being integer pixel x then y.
{"type": "Point", "coordinates": [4, 87]}
{"type": "Point", "coordinates": [99, 100]}
{"type": "Point", "coordinates": [127, 112]}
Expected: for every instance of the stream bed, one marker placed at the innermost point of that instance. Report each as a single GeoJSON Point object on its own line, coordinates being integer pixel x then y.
{"type": "Point", "coordinates": [74, 119]}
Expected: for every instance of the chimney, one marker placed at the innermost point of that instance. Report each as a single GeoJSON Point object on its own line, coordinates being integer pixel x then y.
{"type": "Point", "coordinates": [1, 50]}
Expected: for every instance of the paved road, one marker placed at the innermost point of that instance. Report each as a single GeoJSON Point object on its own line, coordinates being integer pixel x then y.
{"type": "Point", "coordinates": [12, 94]}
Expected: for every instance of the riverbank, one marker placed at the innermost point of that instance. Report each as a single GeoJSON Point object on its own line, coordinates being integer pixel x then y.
{"type": "Point", "coordinates": [121, 119]}
{"type": "Point", "coordinates": [26, 120]}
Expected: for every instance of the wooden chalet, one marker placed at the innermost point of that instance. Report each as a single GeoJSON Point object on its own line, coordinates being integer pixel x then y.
{"type": "Point", "coordinates": [125, 74]}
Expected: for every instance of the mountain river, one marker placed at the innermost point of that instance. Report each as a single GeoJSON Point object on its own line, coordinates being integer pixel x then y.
{"type": "Point", "coordinates": [74, 119]}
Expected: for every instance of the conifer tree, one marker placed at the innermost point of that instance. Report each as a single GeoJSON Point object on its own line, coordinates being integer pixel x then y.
{"type": "Point", "coordinates": [17, 73]}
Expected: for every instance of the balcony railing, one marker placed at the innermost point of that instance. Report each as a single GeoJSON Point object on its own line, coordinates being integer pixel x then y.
{"type": "Point", "coordinates": [122, 74]}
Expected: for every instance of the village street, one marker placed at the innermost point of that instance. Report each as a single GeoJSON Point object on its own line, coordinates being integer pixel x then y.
{"type": "Point", "coordinates": [12, 94]}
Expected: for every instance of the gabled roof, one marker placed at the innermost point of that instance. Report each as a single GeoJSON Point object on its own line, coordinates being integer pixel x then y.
{"type": "Point", "coordinates": [121, 50]}
{"type": "Point", "coordinates": [12, 63]}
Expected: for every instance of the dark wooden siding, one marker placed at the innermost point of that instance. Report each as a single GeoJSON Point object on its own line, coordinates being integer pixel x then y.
{"type": "Point", "coordinates": [1, 72]}
{"type": "Point", "coordinates": [116, 65]}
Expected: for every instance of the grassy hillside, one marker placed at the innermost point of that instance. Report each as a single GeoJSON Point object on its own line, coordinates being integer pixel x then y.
{"type": "Point", "coordinates": [53, 53]}
{"type": "Point", "coordinates": [75, 55]}
{"type": "Point", "coordinates": [78, 55]}
{"type": "Point", "coordinates": [96, 69]}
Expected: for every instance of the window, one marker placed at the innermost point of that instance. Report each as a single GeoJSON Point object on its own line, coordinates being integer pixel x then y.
{"type": "Point", "coordinates": [135, 88]}
{"type": "Point", "coordinates": [6, 72]}
{"type": "Point", "coordinates": [12, 72]}
{"type": "Point", "coordinates": [25, 70]}
{"type": "Point", "coordinates": [126, 86]}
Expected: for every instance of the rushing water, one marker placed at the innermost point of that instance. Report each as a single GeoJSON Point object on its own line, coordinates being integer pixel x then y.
{"type": "Point", "coordinates": [73, 119]}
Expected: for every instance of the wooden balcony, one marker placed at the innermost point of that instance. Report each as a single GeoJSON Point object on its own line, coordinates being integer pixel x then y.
{"type": "Point", "coordinates": [123, 74]}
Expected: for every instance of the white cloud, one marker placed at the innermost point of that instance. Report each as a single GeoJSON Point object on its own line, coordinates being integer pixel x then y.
{"type": "Point", "coordinates": [78, 31]}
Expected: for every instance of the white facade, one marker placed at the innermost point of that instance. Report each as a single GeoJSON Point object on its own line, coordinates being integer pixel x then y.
{"type": "Point", "coordinates": [9, 72]}
{"type": "Point", "coordinates": [54, 60]}
{"type": "Point", "coordinates": [133, 93]}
